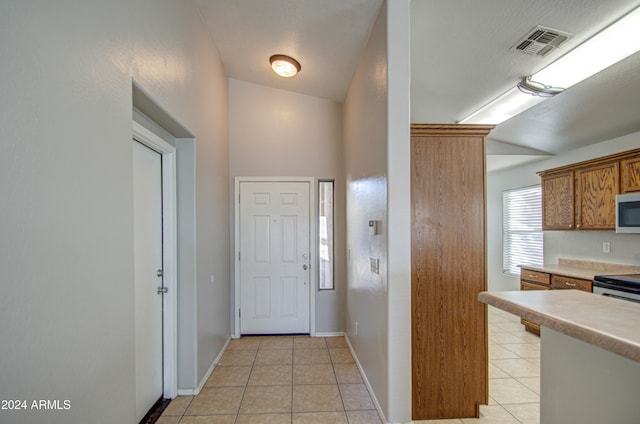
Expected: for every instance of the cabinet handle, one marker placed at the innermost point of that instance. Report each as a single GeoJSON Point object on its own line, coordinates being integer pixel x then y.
{"type": "Point", "coordinates": [532, 276]}
{"type": "Point", "coordinates": [570, 284]}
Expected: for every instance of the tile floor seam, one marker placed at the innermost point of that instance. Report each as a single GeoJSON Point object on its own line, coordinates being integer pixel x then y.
{"type": "Point", "coordinates": [292, 365]}
{"type": "Point", "coordinates": [244, 391]}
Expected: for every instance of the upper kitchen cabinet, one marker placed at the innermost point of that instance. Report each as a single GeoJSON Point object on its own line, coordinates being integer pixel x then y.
{"type": "Point", "coordinates": [597, 187]}
{"type": "Point", "coordinates": [557, 201]}
{"type": "Point", "coordinates": [582, 195]}
{"type": "Point", "coordinates": [630, 173]}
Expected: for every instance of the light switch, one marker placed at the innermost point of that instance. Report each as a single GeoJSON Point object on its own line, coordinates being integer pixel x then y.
{"type": "Point", "coordinates": [374, 265]}
{"type": "Point", "coordinates": [373, 228]}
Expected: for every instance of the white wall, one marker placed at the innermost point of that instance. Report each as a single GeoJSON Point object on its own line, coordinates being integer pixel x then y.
{"type": "Point", "coordinates": [67, 310]}
{"type": "Point", "coordinates": [278, 133]}
{"type": "Point", "coordinates": [399, 209]}
{"type": "Point", "coordinates": [365, 159]}
{"type": "Point", "coordinates": [377, 158]}
{"type": "Point", "coordinates": [587, 245]}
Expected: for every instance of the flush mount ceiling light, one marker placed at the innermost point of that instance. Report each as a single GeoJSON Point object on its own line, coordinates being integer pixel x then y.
{"type": "Point", "coordinates": [616, 42]}
{"type": "Point", "coordinates": [284, 65]}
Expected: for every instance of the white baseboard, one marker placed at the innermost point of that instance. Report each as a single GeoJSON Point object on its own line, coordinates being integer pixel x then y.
{"type": "Point", "coordinates": [366, 381]}
{"type": "Point", "coordinates": [197, 390]}
{"type": "Point", "coordinates": [330, 334]}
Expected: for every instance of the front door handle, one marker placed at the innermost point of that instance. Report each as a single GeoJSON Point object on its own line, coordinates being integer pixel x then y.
{"type": "Point", "coordinates": [305, 267]}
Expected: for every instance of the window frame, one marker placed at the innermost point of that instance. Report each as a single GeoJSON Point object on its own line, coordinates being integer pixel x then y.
{"type": "Point", "coordinates": [535, 236]}
{"type": "Point", "coordinates": [331, 242]}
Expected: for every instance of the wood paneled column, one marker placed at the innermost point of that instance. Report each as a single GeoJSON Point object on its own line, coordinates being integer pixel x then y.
{"type": "Point", "coordinates": [448, 270]}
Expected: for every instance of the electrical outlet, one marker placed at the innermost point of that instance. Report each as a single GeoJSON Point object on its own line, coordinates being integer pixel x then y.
{"type": "Point", "coordinates": [606, 247]}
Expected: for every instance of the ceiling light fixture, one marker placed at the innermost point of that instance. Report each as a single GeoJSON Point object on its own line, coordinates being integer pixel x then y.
{"type": "Point", "coordinates": [284, 65]}
{"type": "Point", "coordinates": [616, 42]}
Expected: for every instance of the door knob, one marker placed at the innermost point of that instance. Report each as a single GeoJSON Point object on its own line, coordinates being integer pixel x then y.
{"type": "Point", "coordinates": [305, 267]}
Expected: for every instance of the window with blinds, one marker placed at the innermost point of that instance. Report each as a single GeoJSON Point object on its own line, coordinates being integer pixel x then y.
{"type": "Point", "coordinates": [521, 229]}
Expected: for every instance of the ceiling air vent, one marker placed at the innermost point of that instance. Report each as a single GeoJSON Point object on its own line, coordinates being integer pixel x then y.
{"type": "Point", "coordinates": [541, 40]}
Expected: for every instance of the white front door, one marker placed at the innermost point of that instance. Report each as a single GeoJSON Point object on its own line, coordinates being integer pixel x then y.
{"type": "Point", "coordinates": [147, 235]}
{"type": "Point", "coordinates": [274, 257]}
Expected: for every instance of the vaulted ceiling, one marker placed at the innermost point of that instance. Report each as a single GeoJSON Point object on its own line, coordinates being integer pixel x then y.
{"type": "Point", "coordinates": [461, 58]}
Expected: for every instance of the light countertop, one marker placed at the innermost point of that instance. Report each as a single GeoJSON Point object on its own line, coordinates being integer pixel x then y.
{"type": "Point", "coordinates": [586, 270]}
{"type": "Point", "coordinates": [610, 324]}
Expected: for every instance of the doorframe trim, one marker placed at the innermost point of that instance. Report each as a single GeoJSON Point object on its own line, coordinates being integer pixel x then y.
{"type": "Point", "coordinates": [169, 256]}
{"type": "Point", "coordinates": [313, 223]}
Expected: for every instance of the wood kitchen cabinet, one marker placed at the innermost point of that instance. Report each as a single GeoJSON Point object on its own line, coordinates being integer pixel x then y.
{"type": "Point", "coordinates": [597, 187]}
{"type": "Point", "coordinates": [582, 196]}
{"type": "Point", "coordinates": [558, 201]}
{"type": "Point", "coordinates": [535, 280]}
{"type": "Point", "coordinates": [630, 174]}
{"type": "Point", "coordinates": [449, 345]}
{"type": "Point", "coordinates": [560, 282]}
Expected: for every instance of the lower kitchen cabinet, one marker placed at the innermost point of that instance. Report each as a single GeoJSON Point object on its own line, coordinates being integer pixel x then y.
{"type": "Point", "coordinates": [559, 282]}
{"type": "Point", "coordinates": [535, 280]}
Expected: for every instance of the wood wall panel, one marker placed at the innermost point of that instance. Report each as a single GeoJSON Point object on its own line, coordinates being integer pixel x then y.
{"type": "Point", "coordinates": [449, 329]}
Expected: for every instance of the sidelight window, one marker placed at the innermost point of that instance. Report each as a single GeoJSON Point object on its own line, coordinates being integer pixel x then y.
{"type": "Point", "coordinates": [522, 236]}
{"type": "Point", "coordinates": [325, 235]}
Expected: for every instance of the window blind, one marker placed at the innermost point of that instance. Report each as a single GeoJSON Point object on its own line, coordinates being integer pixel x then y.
{"type": "Point", "coordinates": [522, 235]}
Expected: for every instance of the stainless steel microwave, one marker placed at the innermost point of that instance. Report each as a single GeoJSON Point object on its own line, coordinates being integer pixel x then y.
{"type": "Point", "coordinates": [628, 213]}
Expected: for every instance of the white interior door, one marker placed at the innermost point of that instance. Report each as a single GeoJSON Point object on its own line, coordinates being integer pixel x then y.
{"type": "Point", "coordinates": [147, 207]}
{"type": "Point", "coordinates": [274, 257]}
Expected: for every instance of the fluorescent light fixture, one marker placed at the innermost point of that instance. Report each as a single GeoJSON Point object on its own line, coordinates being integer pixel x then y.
{"type": "Point", "coordinates": [502, 108]}
{"type": "Point", "coordinates": [284, 65]}
{"type": "Point", "coordinates": [616, 42]}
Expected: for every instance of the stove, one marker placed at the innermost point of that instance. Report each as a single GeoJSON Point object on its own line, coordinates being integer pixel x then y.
{"type": "Point", "coordinates": [625, 287]}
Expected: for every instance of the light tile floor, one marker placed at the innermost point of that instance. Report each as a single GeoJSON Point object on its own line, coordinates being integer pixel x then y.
{"type": "Point", "coordinates": [304, 380]}
{"type": "Point", "coordinates": [278, 380]}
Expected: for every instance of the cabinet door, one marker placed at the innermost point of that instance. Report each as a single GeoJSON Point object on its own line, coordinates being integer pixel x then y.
{"type": "Point", "coordinates": [597, 189]}
{"type": "Point", "coordinates": [557, 201]}
{"type": "Point", "coordinates": [630, 170]}
{"type": "Point", "coordinates": [525, 285]}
